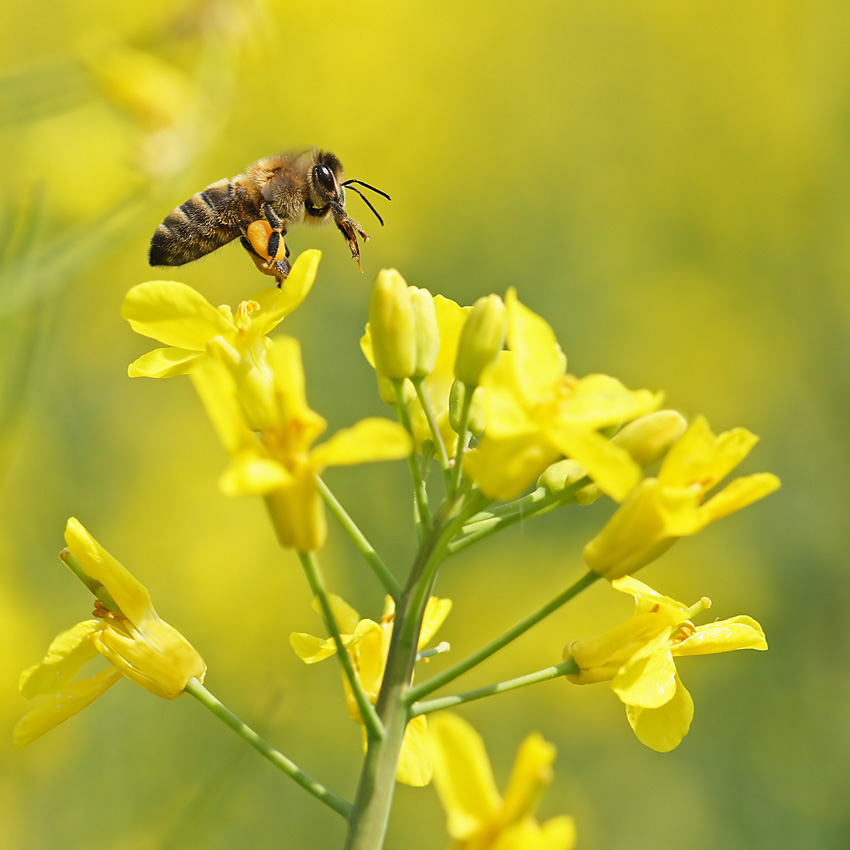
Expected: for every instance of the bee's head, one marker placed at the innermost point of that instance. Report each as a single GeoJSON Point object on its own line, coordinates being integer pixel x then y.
{"type": "Point", "coordinates": [327, 189]}
{"type": "Point", "coordinates": [324, 182]}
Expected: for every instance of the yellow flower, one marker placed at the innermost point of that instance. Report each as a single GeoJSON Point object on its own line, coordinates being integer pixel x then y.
{"type": "Point", "coordinates": [279, 462]}
{"type": "Point", "coordinates": [368, 644]}
{"type": "Point", "coordinates": [182, 318]}
{"type": "Point", "coordinates": [637, 658]}
{"type": "Point", "coordinates": [536, 413]}
{"type": "Point", "coordinates": [662, 509]}
{"type": "Point", "coordinates": [438, 383]}
{"type": "Point", "coordinates": [477, 816]}
{"type": "Point", "coordinates": [134, 640]}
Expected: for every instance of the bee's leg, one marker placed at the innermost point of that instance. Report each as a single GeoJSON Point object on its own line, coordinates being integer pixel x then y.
{"type": "Point", "coordinates": [349, 229]}
{"type": "Point", "coordinates": [274, 264]}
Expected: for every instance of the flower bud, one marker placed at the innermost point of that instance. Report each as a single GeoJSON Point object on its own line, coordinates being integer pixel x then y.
{"type": "Point", "coordinates": [559, 476]}
{"type": "Point", "coordinates": [481, 339]}
{"type": "Point", "coordinates": [393, 326]}
{"type": "Point", "coordinates": [427, 332]}
{"type": "Point", "coordinates": [648, 438]}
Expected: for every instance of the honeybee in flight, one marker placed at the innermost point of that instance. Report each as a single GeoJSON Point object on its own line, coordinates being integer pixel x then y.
{"type": "Point", "coordinates": [258, 207]}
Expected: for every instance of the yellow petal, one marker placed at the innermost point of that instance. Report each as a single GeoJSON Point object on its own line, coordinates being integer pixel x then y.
{"type": "Point", "coordinates": [648, 600]}
{"type": "Point", "coordinates": [174, 314]}
{"type": "Point", "coordinates": [723, 636]}
{"type": "Point", "coordinates": [310, 648]}
{"type": "Point", "coordinates": [278, 302]}
{"type": "Point", "coordinates": [558, 834]}
{"type": "Point", "coordinates": [738, 494]}
{"type": "Point", "coordinates": [66, 654]}
{"type": "Point", "coordinates": [436, 611]}
{"type": "Point", "coordinates": [216, 389]}
{"type": "Point", "coordinates": [648, 679]}
{"type": "Point", "coordinates": [370, 656]}
{"type": "Point", "coordinates": [701, 457]}
{"type": "Point", "coordinates": [531, 773]}
{"type": "Point", "coordinates": [462, 775]}
{"type": "Point", "coordinates": [58, 707]}
{"type": "Point", "coordinates": [163, 363]}
{"type": "Point", "coordinates": [539, 360]}
{"type": "Point", "coordinates": [347, 619]}
{"type": "Point", "coordinates": [597, 401]}
{"type": "Point", "coordinates": [608, 464]}
{"type": "Point", "coordinates": [503, 468]}
{"type": "Point", "coordinates": [251, 474]}
{"type": "Point", "coordinates": [662, 729]}
{"type": "Point", "coordinates": [369, 440]}
{"type": "Point", "coordinates": [131, 595]}
{"type": "Point", "coordinates": [416, 759]}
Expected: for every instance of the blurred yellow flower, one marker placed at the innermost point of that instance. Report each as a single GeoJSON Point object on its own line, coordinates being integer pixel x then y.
{"type": "Point", "coordinates": [660, 510]}
{"type": "Point", "coordinates": [182, 318]}
{"type": "Point", "coordinates": [637, 658]}
{"type": "Point", "coordinates": [135, 641]}
{"type": "Point", "coordinates": [279, 463]}
{"type": "Point", "coordinates": [368, 644]}
{"type": "Point", "coordinates": [477, 816]}
{"type": "Point", "coordinates": [536, 413]}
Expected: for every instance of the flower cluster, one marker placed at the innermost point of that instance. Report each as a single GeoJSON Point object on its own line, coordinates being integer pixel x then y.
{"type": "Point", "coordinates": [482, 393]}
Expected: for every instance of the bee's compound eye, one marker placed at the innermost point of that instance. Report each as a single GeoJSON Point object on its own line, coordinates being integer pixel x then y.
{"type": "Point", "coordinates": [324, 177]}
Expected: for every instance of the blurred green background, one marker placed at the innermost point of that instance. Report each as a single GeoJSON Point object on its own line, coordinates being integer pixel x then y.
{"type": "Point", "coordinates": [666, 182]}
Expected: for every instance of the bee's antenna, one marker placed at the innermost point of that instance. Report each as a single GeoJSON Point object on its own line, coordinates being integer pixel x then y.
{"type": "Point", "coordinates": [348, 185]}
{"type": "Point", "coordinates": [367, 186]}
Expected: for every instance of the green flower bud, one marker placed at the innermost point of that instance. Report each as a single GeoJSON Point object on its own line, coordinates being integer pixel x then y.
{"type": "Point", "coordinates": [427, 331]}
{"type": "Point", "coordinates": [481, 339]}
{"type": "Point", "coordinates": [393, 326]}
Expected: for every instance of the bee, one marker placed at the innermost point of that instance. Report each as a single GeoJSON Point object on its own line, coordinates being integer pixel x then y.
{"type": "Point", "coordinates": [258, 207]}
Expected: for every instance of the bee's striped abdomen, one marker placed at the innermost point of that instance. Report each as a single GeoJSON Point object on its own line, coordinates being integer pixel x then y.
{"type": "Point", "coordinates": [205, 222]}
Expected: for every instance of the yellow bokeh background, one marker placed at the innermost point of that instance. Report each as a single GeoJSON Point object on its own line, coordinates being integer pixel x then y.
{"type": "Point", "coordinates": [667, 183]}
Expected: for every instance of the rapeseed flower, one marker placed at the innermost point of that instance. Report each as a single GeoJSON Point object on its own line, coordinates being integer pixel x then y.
{"type": "Point", "coordinates": [637, 659]}
{"type": "Point", "coordinates": [660, 510]}
{"type": "Point", "coordinates": [131, 637]}
{"type": "Point", "coordinates": [478, 817]}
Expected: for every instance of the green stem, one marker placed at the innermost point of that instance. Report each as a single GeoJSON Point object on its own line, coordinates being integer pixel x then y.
{"type": "Point", "coordinates": [419, 492]}
{"type": "Point", "coordinates": [372, 803]}
{"type": "Point", "coordinates": [265, 749]}
{"type": "Point", "coordinates": [433, 427]}
{"type": "Point", "coordinates": [539, 502]}
{"type": "Point", "coordinates": [317, 585]}
{"type": "Point", "coordinates": [418, 691]}
{"type": "Point", "coordinates": [462, 437]}
{"type": "Point", "coordinates": [426, 707]}
{"type": "Point", "coordinates": [387, 579]}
